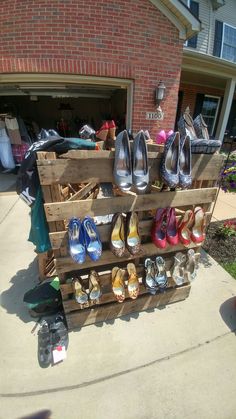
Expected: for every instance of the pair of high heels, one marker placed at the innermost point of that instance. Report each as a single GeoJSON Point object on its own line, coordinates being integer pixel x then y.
{"type": "Point", "coordinates": [164, 229]}
{"type": "Point", "coordinates": [118, 282]}
{"type": "Point", "coordinates": [107, 130]}
{"type": "Point", "coordinates": [185, 266]}
{"type": "Point", "coordinates": [84, 237]}
{"type": "Point", "coordinates": [176, 163]}
{"type": "Point", "coordinates": [131, 169]}
{"type": "Point", "coordinates": [192, 227]}
{"type": "Point", "coordinates": [156, 277]}
{"type": "Point", "coordinates": [125, 234]}
{"type": "Point", "coordinates": [81, 296]}
{"type": "Point", "coordinates": [198, 133]}
{"type": "Point", "coordinates": [196, 129]}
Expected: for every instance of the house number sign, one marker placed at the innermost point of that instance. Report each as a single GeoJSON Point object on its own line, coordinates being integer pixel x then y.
{"type": "Point", "coordinates": [155, 116]}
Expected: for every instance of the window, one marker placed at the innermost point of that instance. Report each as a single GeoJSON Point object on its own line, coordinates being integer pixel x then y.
{"type": "Point", "coordinates": [209, 111]}
{"type": "Point", "coordinates": [228, 45]}
{"type": "Point", "coordinates": [194, 8]}
{"type": "Point", "coordinates": [225, 41]}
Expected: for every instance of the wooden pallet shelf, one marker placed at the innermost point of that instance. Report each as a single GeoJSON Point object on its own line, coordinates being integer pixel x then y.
{"type": "Point", "coordinates": [60, 175]}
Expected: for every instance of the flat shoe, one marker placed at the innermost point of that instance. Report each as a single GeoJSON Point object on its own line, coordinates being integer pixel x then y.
{"type": "Point", "coordinates": [59, 333]}
{"type": "Point", "coordinates": [44, 345]}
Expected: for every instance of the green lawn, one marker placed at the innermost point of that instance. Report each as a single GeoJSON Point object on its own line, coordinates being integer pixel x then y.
{"type": "Point", "coordinates": [231, 268]}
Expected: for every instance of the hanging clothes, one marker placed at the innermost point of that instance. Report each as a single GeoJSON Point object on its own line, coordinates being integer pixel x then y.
{"type": "Point", "coordinates": [6, 156]}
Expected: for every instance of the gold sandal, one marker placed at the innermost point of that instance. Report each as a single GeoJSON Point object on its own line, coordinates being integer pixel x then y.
{"type": "Point", "coordinates": [80, 294]}
{"type": "Point", "coordinates": [133, 283]}
{"type": "Point", "coordinates": [94, 287]}
{"type": "Point", "coordinates": [118, 285]}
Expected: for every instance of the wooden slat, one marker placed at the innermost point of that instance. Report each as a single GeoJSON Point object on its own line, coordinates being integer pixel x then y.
{"type": "Point", "coordinates": [66, 264]}
{"type": "Point", "coordinates": [87, 169]}
{"type": "Point", "coordinates": [105, 278]}
{"type": "Point", "coordinates": [66, 210]}
{"type": "Point", "coordinates": [60, 238]}
{"type": "Point", "coordinates": [113, 310]}
{"type": "Point", "coordinates": [83, 192]}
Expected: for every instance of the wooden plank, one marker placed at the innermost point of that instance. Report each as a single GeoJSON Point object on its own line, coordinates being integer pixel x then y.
{"type": "Point", "coordinates": [105, 278]}
{"type": "Point", "coordinates": [60, 238]}
{"type": "Point", "coordinates": [66, 210]}
{"type": "Point", "coordinates": [67, 264]}
{"type": "Point", "coordinates": [82, 192]}
{"type": "Point", "coordinates": [114, 310]}
{"type": "Point", "coordinates": [204, 167]}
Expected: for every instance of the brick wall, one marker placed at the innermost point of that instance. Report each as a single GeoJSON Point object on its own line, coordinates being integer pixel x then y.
{"type": "Point", "coordinates": [191, 91]}
{"type": "Point", "coordinates": [123, 38]}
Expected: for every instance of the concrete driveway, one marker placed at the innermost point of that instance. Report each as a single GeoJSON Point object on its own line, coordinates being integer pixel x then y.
{"type": "Point", "coordinates": [177, 362]}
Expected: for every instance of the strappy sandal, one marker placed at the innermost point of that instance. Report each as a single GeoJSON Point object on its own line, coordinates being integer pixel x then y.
{"type": "Point", "coordinates": [149, 280]}
{"type": "Point", "coordinates": [178, 268]}
{"type": "Point", "coordinates": [133, 283]}
{"type": "Point", "coordinates": [94, 287]}
{"type": "Point", "coordinates": [192, 264]}
{"type": "Point", "coordinates": [118, 285]}
{"type": "Point", "coordinates": [161, 276]}
{"type": "Point", "coordinates": [80, 294]}
{"type": "Point", "coordinates": [44, 345]}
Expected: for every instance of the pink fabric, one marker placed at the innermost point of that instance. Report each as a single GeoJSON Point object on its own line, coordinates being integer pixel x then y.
{"type": "Point", "coordinates": [161, 137]}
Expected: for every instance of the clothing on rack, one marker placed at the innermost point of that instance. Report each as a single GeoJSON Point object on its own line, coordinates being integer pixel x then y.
{"type": "Point", "coordinates": [13, 130]}
{"type": "Point", "coordinates": [27, 182]}
{"type": "Point", "coordinates": [6, 156]}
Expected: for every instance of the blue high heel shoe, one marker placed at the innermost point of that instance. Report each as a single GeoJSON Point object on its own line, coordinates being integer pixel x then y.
{"type": "Point", "coordinates": [76, 240]}
{"type": "Point", "coordinates": [92, 240]}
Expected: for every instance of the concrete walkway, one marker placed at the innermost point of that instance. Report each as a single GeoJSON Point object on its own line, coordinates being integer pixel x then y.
{"type": "Point", "coordinates": [225, 206]}
{"type": "Point", "coordinates": [177, 362]}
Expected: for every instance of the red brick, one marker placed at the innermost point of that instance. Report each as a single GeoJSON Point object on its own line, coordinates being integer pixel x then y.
{"type": "Point", "coordinates": [123, 38]}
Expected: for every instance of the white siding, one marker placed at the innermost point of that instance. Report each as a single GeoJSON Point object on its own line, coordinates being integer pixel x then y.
{"type": "Point", "coordinates": [227, 14]}
{"type": "Point", "coordinates": [204, 16]}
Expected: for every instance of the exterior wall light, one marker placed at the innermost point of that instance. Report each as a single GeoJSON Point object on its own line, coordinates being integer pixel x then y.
{"type": "Point", "coordinates": [159, 93]}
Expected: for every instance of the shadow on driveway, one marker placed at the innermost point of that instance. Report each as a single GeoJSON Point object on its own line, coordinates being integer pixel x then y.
{"type": "Point", "coordinates": [228, 313]}
{"type": "Point", "coordinates": [12, 298]}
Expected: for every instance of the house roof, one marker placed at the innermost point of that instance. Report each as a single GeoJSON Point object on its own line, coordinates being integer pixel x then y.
{"type": "Point", "coordinates": [180, 15]}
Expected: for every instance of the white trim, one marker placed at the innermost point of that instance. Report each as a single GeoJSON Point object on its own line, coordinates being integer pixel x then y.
{"type": "Point", "coordinates": [217, 110]}
{"type": "Point", "coordinates": [181, 17]}
{"type": "Point", "coordinates": [222, 41]}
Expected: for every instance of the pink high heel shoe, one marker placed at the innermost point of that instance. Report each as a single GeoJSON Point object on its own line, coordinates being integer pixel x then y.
{"type": "Point", "coordinates": [158, 232]}
{"type": "Point", "coordinates": [171, 229]}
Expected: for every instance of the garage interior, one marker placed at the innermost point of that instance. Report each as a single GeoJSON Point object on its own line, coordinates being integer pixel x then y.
{"type": "Point", "coordinates": [64, 108]}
